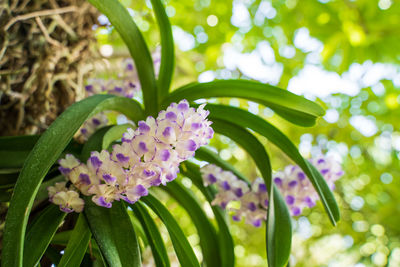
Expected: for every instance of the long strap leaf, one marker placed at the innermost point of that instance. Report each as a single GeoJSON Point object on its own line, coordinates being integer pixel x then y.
{"type": "Point", "coordinates": [112, 228]}
{"type": "Point", "coordinates": [167, 50]}
{"type": "Point", "coordinates": [77, 244]}
{"type": "Point", "coordinates": [12, 159]}
{"type": "Point", "coordinates": [279, 231]}
{"type": "Point", "coordinates": [126, 27]}
{"type": "Point", "coordinates": [279, 228]}
{"type": "Point", "coordinates": [207, 233]}
{"type": "Point", "coordinates": [8, 178]}
{"type": "Point", "coordinates": [15, 149]}
{"type": "Point", "coordinates": [153, 235]}
{"type": "Point", "coordinates": [294, 108]}
{"type": "Point", "coordinates": [62, 239]}
{"type": "Point", "coordinates": [40, 234]}
{"type": "Point", "coordinates": [181, 245]}
{"type": "Point", "coordinates": [5, 195]}
{"type": "Point", "coordinates": [18, 143]}
{"type": "Point", "coordinates": [53, 255]}
{"type": "Point", "coordinates": [43, 155]}
{"type": "Point", "coordinates": [25, 143]}
{"type": "Point", "coordinates": [114, 233]}
{"type": "Point", "coordinates": [246, 119]}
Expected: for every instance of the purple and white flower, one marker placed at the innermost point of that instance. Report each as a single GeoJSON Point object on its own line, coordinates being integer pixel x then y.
{"type": "Point", "coordinates": [66, 198]}
{"type": "Point", "coordinates": [148, 156]}
{"type": "Point", "coordinates": [232, 189]}
{"type": "Point", "coordinates": [295, 187]}
{"type": "Point", "coordinates": [126, 85]}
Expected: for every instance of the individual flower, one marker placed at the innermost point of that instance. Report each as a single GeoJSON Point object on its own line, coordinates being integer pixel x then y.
{"type": "Point", "coordinates": [58, 187]}
{"type": "Point", "coordinates": [67, 164]}
{"type": "Point", "coordinates": [210, 172]}
{"type": "Point", "coordinates": [148, 156]}
{"type": "Point", "coordinates": [67, 199]}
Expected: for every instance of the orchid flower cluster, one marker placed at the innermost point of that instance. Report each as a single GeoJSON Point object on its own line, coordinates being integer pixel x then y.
{"type": "Point", "coordinates": [297, 189]}
{"type": "Point", "coordinates": [253, 199]}
{"type": "Point", "coordinates": [148, 156]}
{"type": "Point", "coordinates": [293, 184]}
{"type": "Point", "coordinates": [127, 85]}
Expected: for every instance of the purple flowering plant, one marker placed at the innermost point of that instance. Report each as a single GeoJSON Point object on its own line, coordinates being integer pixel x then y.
{"type": "Point", "coordinates": [100, 185]}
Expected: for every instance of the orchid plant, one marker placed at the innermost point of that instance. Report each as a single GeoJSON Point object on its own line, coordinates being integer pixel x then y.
{"type": "Point", "coordinates": [100, 185]}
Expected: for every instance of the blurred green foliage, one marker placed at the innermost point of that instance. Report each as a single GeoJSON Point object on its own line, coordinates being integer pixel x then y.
{"type": "Point", "coordinates": [358, 40]}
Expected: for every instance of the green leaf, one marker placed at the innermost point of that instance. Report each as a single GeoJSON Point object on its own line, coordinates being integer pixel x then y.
{"type": "Point", "coordinates": [181, 245]}
{"type": "Point", "coordinates": [13, 159]}
{"type": "Point", "coordinates": [167, 49]}
{"type": "Point", "coordinates": [296, 117]}
{"type": "Point", "coordinates": [115, 133]}
{"type": "Point", "coordinates": [129, 107]}
{"type": "Point", "coordinates": [5, 195]}
{"type": "Point", "coordinates": [15, 150]}
{"type": "Point", "coordinates": [43, 155]}
{"type": "Point", "coordinates": [77, 244]}
{"type": "Point", "coordinates": [207, 233]}
{"type": "Point", "coordinates": [325, 194]}
{"type": "Point", "coordinates": [8, 177]}
{"type": "Point", "coordinates": [53, 255]}
{"type": "Point", "coordinates": [112, 228]}
{"type": "Point", "coordinates": [40, 234]}
{"type": "Point", "coordinates": [248, 142]}
{"type": "Point", "coordinates": [18, 143]}
{"type": "Point", "coordinates": [294, 108]}
{"type": "Point", "coordinates": [279, 228]}
{"type": "Point", "coordinates": [153, 235]}
{"type": "Point", "coordinates": [126, 27]}
{"type": "Point", "coordinates": [114, 233]}
{"type": "Point", "coordinates": [225, 239]}
{"type": "Point", "coordinates": [246, 119]}
{"type": "Point", "coordinates": [138, 228]}
{"type": "Point", "coordinates": [206, 154]}
{"type": "Point", "coordinates": [94, 143]}
{"type": "Point", "coordinates": [62, 239]}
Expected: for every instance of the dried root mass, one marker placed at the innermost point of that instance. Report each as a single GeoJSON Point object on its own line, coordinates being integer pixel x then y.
{"type": "Point", "coordinates": [44, 55]}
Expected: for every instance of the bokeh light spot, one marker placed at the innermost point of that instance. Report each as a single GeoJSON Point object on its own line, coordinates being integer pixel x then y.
{"type": "Point", "coordinates": [212, 20]}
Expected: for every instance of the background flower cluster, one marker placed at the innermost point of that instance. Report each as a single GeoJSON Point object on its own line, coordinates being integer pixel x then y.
{"type": "Point", "coordinates": [292, 183]}
{"type": "Point", "coordinates": [126, 85]}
